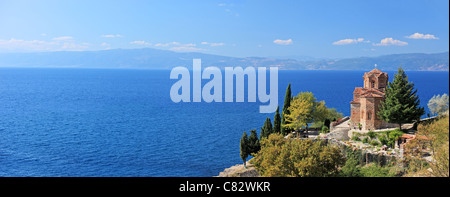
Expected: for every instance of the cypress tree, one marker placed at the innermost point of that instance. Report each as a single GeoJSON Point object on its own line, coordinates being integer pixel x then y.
{"type": "Point", "coordinates": [244, 148]}
{"type": "Point", "coordinates": [327, 123]}
{"type": "Point", "coordinates": [286, 105]}
{"type": "Point", "coordinates": [277, 122]}
{"type": "Point", "coordinates": [401, 104]}
{"type": "Point", "coordinates": [253, 142]}
{"type": "Point", "coordinates": [267, 129]}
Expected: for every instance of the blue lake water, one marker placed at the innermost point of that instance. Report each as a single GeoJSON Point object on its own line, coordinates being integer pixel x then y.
{"type": "Point", "coordinates": [107, 122]}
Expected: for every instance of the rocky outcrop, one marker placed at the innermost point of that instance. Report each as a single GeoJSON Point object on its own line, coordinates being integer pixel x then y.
{"type": "Point", "coordinates": [240, 171]}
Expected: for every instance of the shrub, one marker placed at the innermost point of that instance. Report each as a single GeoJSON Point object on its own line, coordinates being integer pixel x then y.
{"type": "Point", "coordinates": [300, 158]}
{"type": "Point", "coordinates": [356, 134]}
{"type": "Point", "coordinates": [374, 143]}
{"type": "Point", "coordinates": [393, 136]}
{"type": "Point", "coordinates": [351, 168]}
{"type": "Point", "coordinates": [325, 129]}
{"type": "Point", "coordinates": [365, 140]}
{"type": "Point", "coordinates": [372, 134]}
{"type": "Point", "coordinates": [383, 139]}
{"type": "Point", "coordinates": [355, 138]}
{"type": "Point", "coordinates": [375, 171]}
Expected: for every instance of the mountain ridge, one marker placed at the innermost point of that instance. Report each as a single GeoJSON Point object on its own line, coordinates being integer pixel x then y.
{"type": "Point", "coordinates": [149, 58]}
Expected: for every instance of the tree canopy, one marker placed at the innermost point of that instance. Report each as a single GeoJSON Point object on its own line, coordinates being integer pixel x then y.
{"type": "Point", "coordinates": [267, 129]}
{"type": "Point", "coordinates": [401, 104]}
{"type": "Point", "coordinates": [244, 149]}
{"type": "Point", "coordinates": [253, 142]}
{"type": "Point", "coordinates": [277, 122]}
{"type": "Point", "coordinates": [305, 109]}
{"type": "Point", "coordinates": [285, 112]}
{"type": "Point", "coordinates": [438, 104]}
{"type": "Point", "coordinates": [297, 158]}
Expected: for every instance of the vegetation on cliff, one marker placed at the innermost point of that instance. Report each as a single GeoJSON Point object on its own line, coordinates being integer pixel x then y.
{"type": "Point", "coordinates": [297, 158]}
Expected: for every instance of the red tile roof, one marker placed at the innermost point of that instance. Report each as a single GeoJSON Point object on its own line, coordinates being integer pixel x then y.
{"type": "Point", "coordinates": [406, 136]}
{"type": "Point", "coordinates": [375, 72]}
{"type": "Point", "coordinates": [371, 92]}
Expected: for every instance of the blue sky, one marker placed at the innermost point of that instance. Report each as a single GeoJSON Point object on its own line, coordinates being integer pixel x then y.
{"type": "Point", "coordinates": [240, 28]}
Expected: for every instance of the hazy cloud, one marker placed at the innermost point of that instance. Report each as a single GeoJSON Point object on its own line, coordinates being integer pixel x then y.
{"type": "Point", "coordinates": [390, 41]}
{"type": "Point", "coordinates": [70, 46]}
{"type": "Point", "coordinates": [112, 36]}
{"type": "Point", "coordinates": [350, 41]}
{"type": "Point", "coordinates": [213, 44]}
{"type": "Point", "coordinates": [177, 46]}
{"type": "Point", "coordinates": [174, 44]}
{"type": "Point", "coordinates": [283, 42]}
{"type": "Point", "coordinates": [227, 8]}
{"type": "Point", "coordinates": [140, 42]}
{"type": "Point", "coordinates": [186, 49]}
{"type": "Point", "coordinates": [422, 36]}
{"type": "Point", "coordinates": [63, 38]}
{"type": "Point", "coordinates": [40, 45]}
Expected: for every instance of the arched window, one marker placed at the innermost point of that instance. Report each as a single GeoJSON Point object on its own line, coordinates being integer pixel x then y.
{"type": "Point", "coordinates": [369, 116]}
{"type": "Point", "coordinates": [373, 84]}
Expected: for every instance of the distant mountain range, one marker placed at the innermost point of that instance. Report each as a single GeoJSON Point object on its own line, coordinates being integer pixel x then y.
{"type": "Point", "coordinates": [148, 58]}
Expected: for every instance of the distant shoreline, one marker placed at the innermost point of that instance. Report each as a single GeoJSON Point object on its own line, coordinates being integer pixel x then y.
{"type": "Point", "coordinates": [149, 58]}
{"type": "Point", "coordinates": [157, 69]}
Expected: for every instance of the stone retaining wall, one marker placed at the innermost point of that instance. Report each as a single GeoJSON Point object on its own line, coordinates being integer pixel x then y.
{"type": "Point", "coordinates": [365, 156]}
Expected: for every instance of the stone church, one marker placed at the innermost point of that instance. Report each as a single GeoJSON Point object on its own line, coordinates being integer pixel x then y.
{"type": "Point", "coordinates": [367, 100]}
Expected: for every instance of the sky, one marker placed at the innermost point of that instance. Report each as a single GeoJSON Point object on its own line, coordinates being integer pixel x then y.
{"type": "Point", "coordinates": [237, 28]}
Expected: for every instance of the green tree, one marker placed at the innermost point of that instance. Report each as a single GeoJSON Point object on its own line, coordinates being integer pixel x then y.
{"type": "Point", "coordinates": [305, 109]}
{"type": "Point", "coordinates": [372, 134]}
{"type": "Point", "coordinates": [331, 114]}
{"type": "Point", "coordinates": [324, 129]}
{"type": "Point", "coordinates": [372, 170]}
{"type": "Point", "coordinates": [351, 168]}
{"type": "Point", "coordinates": [431, 137]}
{"type": "Point", "coordinates": [401, 104]}
{"type": "Point", "coordinates": [244, 148]}
{"type": "Point", "coordinates": [383, 139]}
{"type": "Point", "coordinates": [267, 129]}
{"type": "Point", "coordinates": [438, 104]}
{"type": "Point", "coordinates": [287, 103]}
{"type": "Point", "coordinates": [327, 123]}
{"type": "Point", "coordinates": [253, 142]}
{"type": "Point", "coordinates": [297, 158]}
{"type": "Point", "coordinates": [393, 136]}
{"type": "Point", "coordinates": [277, 122]}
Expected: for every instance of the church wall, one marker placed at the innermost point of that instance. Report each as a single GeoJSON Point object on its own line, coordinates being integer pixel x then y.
{"type": "Point", "coordinates": [364, 110]}
{"type": "Point", "coordinates": [354, 116]}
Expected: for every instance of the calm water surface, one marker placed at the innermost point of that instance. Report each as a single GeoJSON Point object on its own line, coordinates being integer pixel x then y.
{"type": "Point", "coordinates": [106, 122]}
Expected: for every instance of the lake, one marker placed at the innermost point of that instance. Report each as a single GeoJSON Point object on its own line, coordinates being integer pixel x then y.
{"type": "Point", "coordinates": [122, 122]}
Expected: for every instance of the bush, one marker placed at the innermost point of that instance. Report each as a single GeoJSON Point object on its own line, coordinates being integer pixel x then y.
{"type": "Point", "coordinates": [393, 136]}
{"type": "Point", "coordinates": [299, 158]}
{"type": "Point", "coordinates": [375, 171]}
{"type": "Point", "coordinates": [327, 123]}
{"type": "Point", "coordinates": [351, 168]}
{"type": "Point", "coordinates": [355, 138]}
{"type": "Point", "coordinates": [356, 134]}
{"type": "Point", "coordinates": [374, 143]}
{"type": "Point", "coordinates": [365, 140]}
{"type": "Point", "coordinates": [325, 129]}
{"type": "Point", "coordinates": [372, 134]}
{"type": "Point", "coordinates": [383, 139]}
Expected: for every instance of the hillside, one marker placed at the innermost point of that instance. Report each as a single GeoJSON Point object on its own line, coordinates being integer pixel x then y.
{"type": "Point", "coordinates": [162, 59]}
